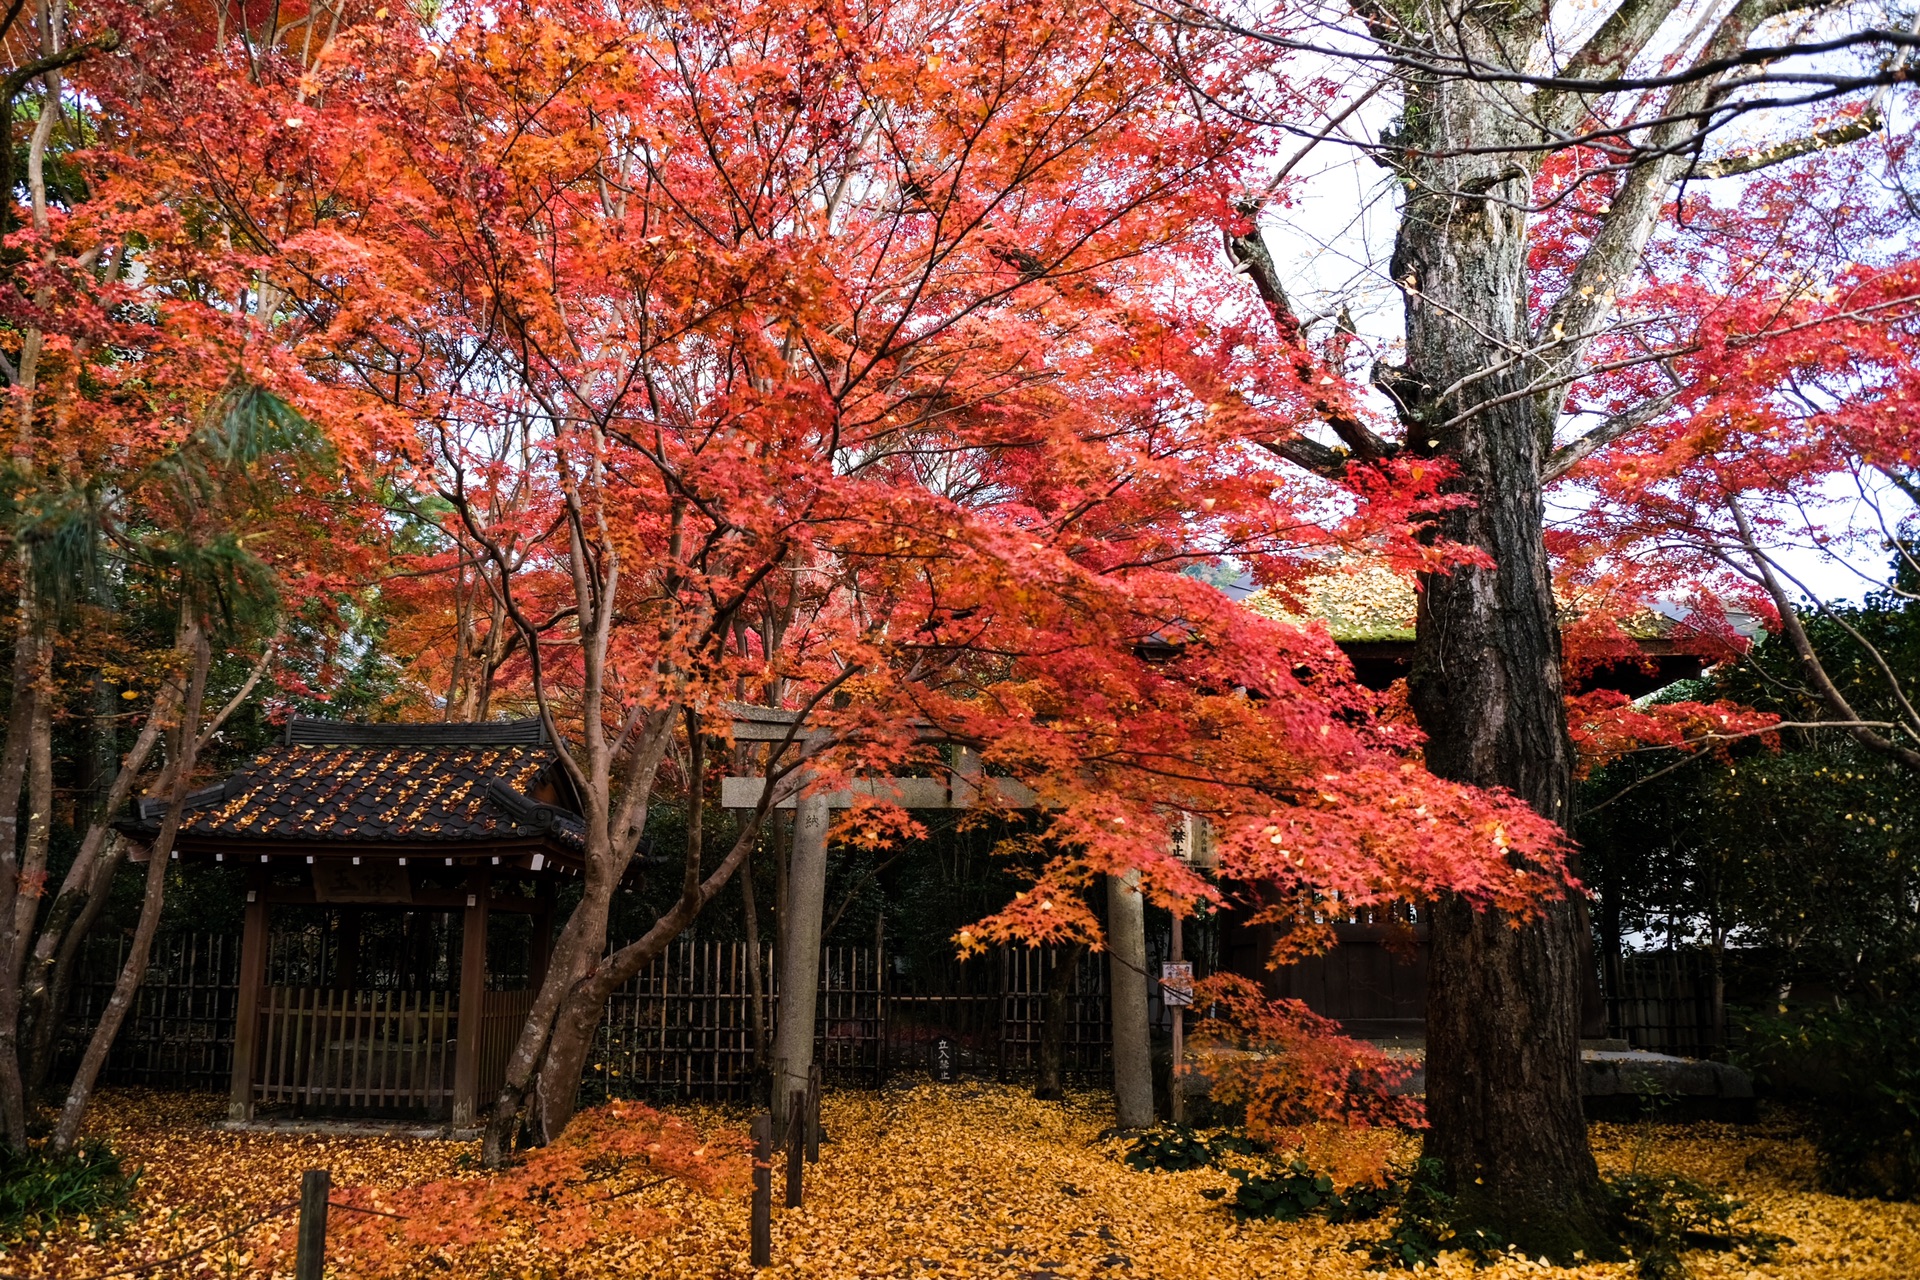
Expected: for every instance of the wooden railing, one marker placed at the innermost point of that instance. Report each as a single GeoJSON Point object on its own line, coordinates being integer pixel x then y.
{"type": "Point", "coordinates": [321, 1047]}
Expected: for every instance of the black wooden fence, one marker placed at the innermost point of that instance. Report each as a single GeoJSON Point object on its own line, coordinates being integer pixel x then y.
{"type": "Point", "coordinates": [683, 1026]}
{"type": "Point", "coordinates": [1665, 1002]}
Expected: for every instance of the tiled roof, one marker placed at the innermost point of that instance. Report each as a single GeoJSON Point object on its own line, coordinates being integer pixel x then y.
{"type": "Point", "coordinates": [388, 792]}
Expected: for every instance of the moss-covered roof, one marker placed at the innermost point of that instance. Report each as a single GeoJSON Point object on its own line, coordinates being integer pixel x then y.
{"type": "Point", "coordinates": [1374, 603]}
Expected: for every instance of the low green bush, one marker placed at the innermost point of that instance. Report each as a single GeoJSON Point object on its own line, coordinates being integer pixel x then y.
{"type": "Point", "coordinates": [1280, 1190]}
{"type": "Point", "coordinates": [1657, 1217]}
{"type": "Point", "coordinates": [1174, 1148]}
{"type": "Point", "coordinates": [1857, 1070]}
{"type": "Point", "coordinates": [1426, 1224]}
{"type": "Point", "coordinates": [38, 1190]}
{"type": "Point", "coordinates": [1654, 1217]}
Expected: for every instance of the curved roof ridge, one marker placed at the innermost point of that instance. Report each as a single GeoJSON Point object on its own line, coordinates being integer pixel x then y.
{"type": "Point", "coordinates": [309, 731]}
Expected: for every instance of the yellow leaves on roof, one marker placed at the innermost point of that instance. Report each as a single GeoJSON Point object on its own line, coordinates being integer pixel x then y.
{"type": "Point", "coordinates": [1366, 602]}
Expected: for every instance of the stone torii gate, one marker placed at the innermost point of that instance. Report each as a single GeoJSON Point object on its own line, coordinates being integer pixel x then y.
{"type": "Point", "coordinates": [962, 787]}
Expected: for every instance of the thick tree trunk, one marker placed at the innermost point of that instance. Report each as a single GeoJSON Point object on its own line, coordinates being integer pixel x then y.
{"type": "Point", "coordinates": [800, 954]}
{"type": "Point", "coordinates": [1052, 1083]}
{"type": "Point", "coordinates": [1132, 1048]}
{"type": "Point", "coordinates": [1504, 1000]}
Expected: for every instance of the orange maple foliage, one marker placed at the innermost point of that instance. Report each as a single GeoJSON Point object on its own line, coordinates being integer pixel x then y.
{"type": "Point", "coordinates": [553, 1202]}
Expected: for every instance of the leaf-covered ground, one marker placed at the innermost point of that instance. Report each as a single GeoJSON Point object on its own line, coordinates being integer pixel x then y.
{"type": "Point", "coordinates": [955, 1180]}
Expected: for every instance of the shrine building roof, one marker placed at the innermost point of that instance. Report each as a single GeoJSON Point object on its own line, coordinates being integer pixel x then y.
{"type": "Point", "coordinates": [345, 788]}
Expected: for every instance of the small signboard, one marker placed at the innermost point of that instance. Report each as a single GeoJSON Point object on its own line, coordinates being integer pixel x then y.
{"type": "Point", "coordinates": [1176, 984]}
{"type": "Point", "coordinates": [335, 880]}
{"type": "Point", "coordinates": [943, 1060]}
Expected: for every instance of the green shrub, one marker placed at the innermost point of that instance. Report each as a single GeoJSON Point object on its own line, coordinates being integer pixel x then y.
{"type": "Point", "coordinates": [37, 1190]}
{"type": "Point", "coordinates": [1656, 1217]}
{"type": "Point", "coordinates": [1281, 1191]}
{"type": "Point", "coordinates": [1425, 1225]}
{"type": "Point", "coordinates": [1174, 1148]}
{"type": "Point", "coordinates": [1858, 1071]}
{"type": "Point", "coordinates": [1286, 1195]}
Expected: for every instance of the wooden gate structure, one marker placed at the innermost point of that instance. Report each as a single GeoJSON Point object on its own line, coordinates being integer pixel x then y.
{"type": "Point", "coordinates": [429, 832]}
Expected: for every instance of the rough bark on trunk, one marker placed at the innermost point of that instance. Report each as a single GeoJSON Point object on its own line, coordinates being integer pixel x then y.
{"type": "Point", "coordinates": [1132, 1049]}
{"type": "Point", "coordinates": [756, 982]}
{"type": "Point", "coordinates": [1503, 1006]}
{"type": "Point", "coordinates": [1051, 1083]}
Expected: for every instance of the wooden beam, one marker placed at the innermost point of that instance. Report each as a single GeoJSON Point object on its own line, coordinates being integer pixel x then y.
{"type": "Point", "coordinates": [473, 997]}
{"type": "Point", "coordinates": [253, 977]}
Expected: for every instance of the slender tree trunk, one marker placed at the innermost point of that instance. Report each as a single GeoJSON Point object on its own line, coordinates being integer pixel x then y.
{"type": "Point", "coordinates": [1127, 962]}
{"type": "Point", "coordinates": [1052, 1073]}
{"type": "Point", "coordinates": [13, 768]}
{"type": "Point", "coordinates": [83, 893]}
{"type": "Point", "coordinates": [756, 983]}
{"type": "Point", "coordinates": [126, 989]}
{"type": "Point", "coordinates": [800, 957]}
{"type": "Point", "coordinates": [33, 861]}
{"type": "Point", "coordinates": [1503, 1006]}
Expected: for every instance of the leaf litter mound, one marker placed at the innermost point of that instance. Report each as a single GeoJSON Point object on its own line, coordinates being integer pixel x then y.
{"type": "Point", "coordinates": [936, 1180]}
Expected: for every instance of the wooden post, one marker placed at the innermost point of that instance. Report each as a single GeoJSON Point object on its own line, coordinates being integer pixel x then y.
{"type": "Point", "coordinates": [796, 1144]}
{"type": "Point", "coordinates": [253, 976]}
{"type": "Point", "coordinates": [813, 1115]}
{"type": "Point", "coordinates": [1176, 1093]}
{"type": "Point", "coordinates": [473, 997]}
{"type": "Point", "coordinates": [542, 943]}
{"type": "Point", "coordinates": [762, 1218]}
{"type": "Point", "coordinates": [310, 1254]}
{"type": "Point", "coordinates": [800, 956]}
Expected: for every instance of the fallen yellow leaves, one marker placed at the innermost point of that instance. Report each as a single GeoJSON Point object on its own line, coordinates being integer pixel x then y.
{"type": "Point", "coordinates": [947, 1181]}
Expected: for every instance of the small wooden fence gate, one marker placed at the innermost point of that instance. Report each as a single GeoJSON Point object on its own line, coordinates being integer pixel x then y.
{"type": "Point", "coordinates": [684, 1026]}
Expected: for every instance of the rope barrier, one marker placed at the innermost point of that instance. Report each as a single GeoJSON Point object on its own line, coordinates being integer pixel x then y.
{"type": "Point", "coordinates": [178, 1257]}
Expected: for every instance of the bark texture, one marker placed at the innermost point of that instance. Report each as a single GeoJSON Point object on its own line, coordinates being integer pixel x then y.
{"type": "Point", "coordinates": [1503, 1011]}
{"type": "Point", "coordinates": [1051, 1082]}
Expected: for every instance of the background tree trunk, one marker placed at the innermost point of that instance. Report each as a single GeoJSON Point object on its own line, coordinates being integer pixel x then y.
{"type": "Point", "coordinates": [176, 781]}
{"type": "Point", "coordinates": [1051, 1083]}
{"type": "Point", "coordinates": [1127, 956]}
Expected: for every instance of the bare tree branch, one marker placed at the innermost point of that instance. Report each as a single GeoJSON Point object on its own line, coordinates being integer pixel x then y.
{"type": "Point", "coordinates": [1809, 657]}
{"type": "Point", "coordinates": [1580, 448]}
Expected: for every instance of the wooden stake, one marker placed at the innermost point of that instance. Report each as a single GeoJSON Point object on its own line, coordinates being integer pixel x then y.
{"type": "Point", "coordinates": [762, 1220]}
{"type": "Point", "coordinates": [813, 1115]}
{"type": "Point", "coordinates": [310, 1253]}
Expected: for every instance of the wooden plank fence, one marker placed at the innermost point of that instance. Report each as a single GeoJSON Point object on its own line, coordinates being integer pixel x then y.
{"type": "Point", "coordinates": [1663, 1001]}
{"type": "Point", "coordinates": [179, 1033]}
{"type": "Point", "coordinates": [683, 1027]}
